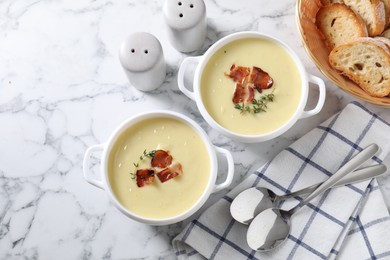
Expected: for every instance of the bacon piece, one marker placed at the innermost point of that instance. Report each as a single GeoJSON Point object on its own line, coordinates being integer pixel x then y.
{"type": "Point", "coordinates": [171, 172]}
{"type": "Point", "coordinates": [251, 94]}
{"type": "Point", "coordinates": [243, 94]}
{"type": "Point", "coordinates": [260, 79]}
{"type": "Point", "coordinates": [239, 93]}
{"type": "Point", "coordinates": [144, 177]}
{"type": "Point", "coordinates": [161, 159]}
{"type": "Point", "coordinates": [238, 73]}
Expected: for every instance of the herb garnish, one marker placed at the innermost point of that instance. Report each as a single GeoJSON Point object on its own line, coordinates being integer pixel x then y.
{"type": "Point", "coordinates": [145, 154]}
{"type": "Point", "coordinates": [258, 105]}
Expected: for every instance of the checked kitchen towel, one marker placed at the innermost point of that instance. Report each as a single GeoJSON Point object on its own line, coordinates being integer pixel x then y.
{"type": "Point", "coordinates": [350, 222]}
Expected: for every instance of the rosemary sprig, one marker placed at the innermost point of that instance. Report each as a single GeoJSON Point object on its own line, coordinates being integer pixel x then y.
{"type": "Point", "coordinates": [258, 105]}
{"type": "Point", "coordinates": [144, 155]}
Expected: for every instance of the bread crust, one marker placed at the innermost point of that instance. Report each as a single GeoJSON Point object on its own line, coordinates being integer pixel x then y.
{"type": "Point", "coordinates": [366, 61]}
{"type": "Point", "coordinates": [387, 11]}
{"type": "Point", "coordinates": [385, 40]}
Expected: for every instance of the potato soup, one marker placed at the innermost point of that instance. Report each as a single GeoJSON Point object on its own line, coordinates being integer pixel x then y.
{"type": "Point", "coordinates": [271, 107]}
{"type": "Point", "coordinates": [134, 151]}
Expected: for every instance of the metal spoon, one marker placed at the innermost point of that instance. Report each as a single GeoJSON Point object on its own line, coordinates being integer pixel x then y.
{"type": "Point", "coordinates": [272, 226]}
{"type": "Point", "coordinates": [252, 201]}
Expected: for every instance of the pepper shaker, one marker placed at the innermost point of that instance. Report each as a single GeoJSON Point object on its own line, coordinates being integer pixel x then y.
{"type": "Point", "coordinates": [142, 59]}
{"type": "Point", "coordinates": [186, 23]}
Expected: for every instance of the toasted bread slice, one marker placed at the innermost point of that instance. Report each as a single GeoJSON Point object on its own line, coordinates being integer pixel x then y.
{"type": "Point", "coordinates": [365, 61]}
{"type": "Point", "coordinates": [372, 13]}
{"type": "Point", "coordinates": [386, 33]}
{"type": "Point", "coordinates": [339, 24]}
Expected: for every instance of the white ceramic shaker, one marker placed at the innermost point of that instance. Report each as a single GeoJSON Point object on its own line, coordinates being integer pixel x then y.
{"type": "Point", "coordinates": [142, 59]}
{"type": "Point", "coordinates": [186, 23]}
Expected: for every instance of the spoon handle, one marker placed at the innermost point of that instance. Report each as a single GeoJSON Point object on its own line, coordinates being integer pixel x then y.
{"type": "Point", "coordinates": [354, 177]}
{"type": "Point", "coordinates": [351, 165]}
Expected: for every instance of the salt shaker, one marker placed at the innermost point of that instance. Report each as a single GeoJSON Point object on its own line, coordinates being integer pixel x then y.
{"type": "Point", "coordinates": [186, 23]}
{"type": "Point", "coordinates": [142, 59]}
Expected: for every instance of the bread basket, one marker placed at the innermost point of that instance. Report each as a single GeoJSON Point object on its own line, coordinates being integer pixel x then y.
{"type": "Point", "coordinates": [317, 50]}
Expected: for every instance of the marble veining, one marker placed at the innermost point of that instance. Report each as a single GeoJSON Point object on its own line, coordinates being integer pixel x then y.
{"type": "Point", "coordinates": [62, 89]}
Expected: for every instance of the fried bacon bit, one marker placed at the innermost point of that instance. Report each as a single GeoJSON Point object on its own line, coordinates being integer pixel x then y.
{"type": "Point", "coordinates": [243, 94]}
{"type": "Point", "coordinates": [238, 73]}
{"type": "Point", "coordinates": [251, 94]}
{"type": "Point", "coordinates": [260, 79]}
{"type": "Point", "coordinates": [144, 177]}
{"type": "Point", "coordinates": [161, 159]}
{"type": "Point", "coordinates": [246, 81]}
{"type": "Point", "coordinates": [239, 93]}
{"type": "Point", "coordinates": [171, 172]}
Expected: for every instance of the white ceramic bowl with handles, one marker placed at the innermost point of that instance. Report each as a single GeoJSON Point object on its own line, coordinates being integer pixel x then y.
{"type": "Point", "coordinates": [106, 149]}
{"type": "Point", "coordinates": [196, 93]}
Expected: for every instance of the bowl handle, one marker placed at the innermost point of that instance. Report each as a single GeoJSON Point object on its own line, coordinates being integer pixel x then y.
{"type": "Point", "coordinates": [181, 73]}
{"type": "Point", "coordinates": [321, 99]}
{"type": "Point", "coordinates": [230, 173]}
{"type": "Point", "coordinates": [86, 163]}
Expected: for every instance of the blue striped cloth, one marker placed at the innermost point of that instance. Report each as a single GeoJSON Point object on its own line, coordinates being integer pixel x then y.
{"type": "Point", "coordinates": [350, 222]}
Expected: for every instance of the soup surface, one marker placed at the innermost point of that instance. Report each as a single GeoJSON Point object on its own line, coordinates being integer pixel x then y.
{"type": "Point", "coordinates": [159, 200]}
{"type": "Point", "coordinates": [217, 89]}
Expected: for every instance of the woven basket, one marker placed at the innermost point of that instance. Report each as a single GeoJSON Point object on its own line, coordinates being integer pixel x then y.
{"type": "Point", "coordinates": [315, 46]}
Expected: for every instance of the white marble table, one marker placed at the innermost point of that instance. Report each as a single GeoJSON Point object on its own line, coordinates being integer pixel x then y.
{"type": "Point", "coordinates": [62, 89]}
